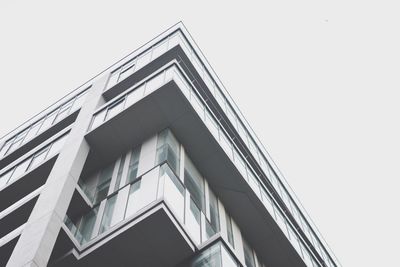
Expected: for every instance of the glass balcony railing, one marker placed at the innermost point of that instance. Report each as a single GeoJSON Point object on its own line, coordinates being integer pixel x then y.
{"type": "Point", "coordinates": [241, 126]}
{"type": "Point", "coordinates": [217, 255]}
{"type": "Point", "coordinates": [143, 192]}
{"type": "Point", "coordinates": [174, 73]}
{"type": "Point", "coordinates": [42, 124]}
{"type": "Point", "coordinates": [15, 172]}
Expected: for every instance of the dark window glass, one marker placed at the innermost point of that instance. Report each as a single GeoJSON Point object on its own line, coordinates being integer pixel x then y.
{"type": "Point", "coordinates": [194, 183]}
{"type": "Point", "coordinates": [134, 164]}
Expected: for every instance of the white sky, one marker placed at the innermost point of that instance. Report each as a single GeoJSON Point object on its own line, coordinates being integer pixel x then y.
{"type": "Point", "coordinates": [317, 80]}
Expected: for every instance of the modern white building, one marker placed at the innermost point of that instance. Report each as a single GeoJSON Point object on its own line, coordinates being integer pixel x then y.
{"type": "Point", "coordinates": [150, 163]}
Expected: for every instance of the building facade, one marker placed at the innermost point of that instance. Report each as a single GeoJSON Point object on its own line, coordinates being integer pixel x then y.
{"type": "Point", "coordinates": [150, 163]}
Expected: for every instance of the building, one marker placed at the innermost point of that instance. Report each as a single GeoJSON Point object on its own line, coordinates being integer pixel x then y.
{"type": "Point", "coordinates": [150, 163]}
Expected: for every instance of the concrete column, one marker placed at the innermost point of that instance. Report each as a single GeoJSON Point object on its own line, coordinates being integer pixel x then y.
{"type": "Point", "coordinates": [37, 240]}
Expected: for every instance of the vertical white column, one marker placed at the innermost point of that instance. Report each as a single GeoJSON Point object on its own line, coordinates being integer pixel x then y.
{"type": "Point", "coordinates": [147, 155]}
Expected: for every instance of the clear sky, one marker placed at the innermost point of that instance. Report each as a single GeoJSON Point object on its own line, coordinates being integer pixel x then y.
{"type": "Point", "coordinates": [318, 81]}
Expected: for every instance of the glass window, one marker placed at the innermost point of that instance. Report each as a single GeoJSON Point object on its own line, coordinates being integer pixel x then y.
{"type": "Point", "coordinates": [34, 130]}
{"type": "Point", "coordinates": [155, 83]}
{"type": "Point", "coordinates": [248, 255]}
{"type": "Point", "coordinates": [38, 158]}
{"type": "Point", "coordinates": [229, 230]}
{"type": "Point", "coordinates": [64, 111]}
{"type": "Point", "coordinates": [210, 257]}
{"type": "Point", "coordinates": [113, 78]}
{"type": "Point", "coordinates": [48, 120]}
{"type": "Point", "coordinates": [132, 207]}
{"type": "Point", "coordinates": [115, 108]}
{"type": "Point", "coordinates": [254, 183]}
{"type": "Point", "coordinates": [194, 183]}
{"type": "Point", "coordinates": [226, 145]}
{"type": "Point", "coordinates": [212, 125]}
{"type": "Point", "coordinates": [197, 105]}
{"type": "Point", "coordinates": [18, 140]}
{"type": "Point", "coordinates": [108, 214]}
{"type": "Point", "coordinates": [231, 116]}
{"type": "Point", "coordinates": [5, 177]}
{"type": "Point", "coordinates": [134, 164]}
{"type": "Point", "coordinates": [214, 214]}
{"type": "Point", "coordinates": [174, 192]}
{"type": "Point", "coordinates": [227, 259]}
{"type": "Point", "coordinates": [57, 145]}
{"type": "Point", "coordinates": [192, 220]}
{"type": "Point", "coordinates": [98, 119]}
{"type": "Point", "coordinates": [5, 147]}
{"type": "Point", "coordinates": [159, 49]}
{"type": "Point", "coordinates": [20, 169]}
{"type": "Point", "coordinates": [168, 150]}
{"type": "Point", "coordinates": [143, 59]}
{"type": "Point", "coordinates": [126, 72]}
{"type": "Point", "coordinates": [119, 174]}
{"type": "Point", "coordinates": [87, 224]}
{"type": "Point", "coordinates": [103, 183]}
{"type": "Point", "coordinates": [79, 100]}
{"type": "Point", "coordinates": [135, 95]}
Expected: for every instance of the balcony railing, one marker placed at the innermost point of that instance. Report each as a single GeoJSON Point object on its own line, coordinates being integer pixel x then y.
{"type": "Point", "coordinates": [144, 193]}
{"type": "Point", "coordinates": [42, 124]}
{"type": "Point", "coordinates": [14, 172]}
{"type": "Point", "coordinates": [240, 124]}
{"type": "Point", "coordinates": [174, 73]}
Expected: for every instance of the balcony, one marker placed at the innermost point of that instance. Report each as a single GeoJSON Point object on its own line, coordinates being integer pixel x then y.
{"type": "Point", "coordinates": [175, 45]}
{"type": "Point", "coordinates": [28, 174]}
{"type": "Point", "coordinates": [40, 130]}
{"type": "Point", "coordinates": [168, 100]}
{"type": "Point", "coordinates": [155, 210]}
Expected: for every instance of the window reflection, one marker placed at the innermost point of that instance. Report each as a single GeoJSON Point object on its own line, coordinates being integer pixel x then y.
{"type": "Point", "coordinates": [168, 150]}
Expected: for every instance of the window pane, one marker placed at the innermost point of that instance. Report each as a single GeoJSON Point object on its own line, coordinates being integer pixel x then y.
{"type": "Point", "coordinates": [143, 60]}
{"type": "Point", "coordinates": [194, 183]}
{"type": "Point", "coordinates": [103, 183]}
{"type": "Point", "coordinates": [34, 130]}
{"type": "Point", "coordinates": [5, 177]}
{"type": "Point", "coordinates": [48, 121]}
{"type": "Point", "coordinates": [192, 220]}
{"type": "Point", "coordinates": [5, 147]}
{"type": "Point", "coordinates": [227, 259]}
{"type": "Point", "coordinates": [133, 200]}
{"type": "Point", "coordinates": [39, 157]}
{"type": "Point", "coordinates": [168, 150]}
{"type": "Point", "coordinates": [229, 230]}
{"type": "Point", "coordinates": [248, 255]}
{"type": "Point", "coordinates": [108, 214]}
{"type": "Point", "coordinates": [79, 101]}
{"type": "Point", "coordinates": [98, 119]}
{"type": "Point", "coordinates": [113, 78]}
{"type": "Point", "coordinates": [20, 169]}
{"type": "Point", "coordinates": [155, 83]}
{"type": "Point", "coordinates": [126, 72]}
{"type": "Point", "coordinates": [210, 257]}
{"type": "Point", "coordinates": [214, 214]}
{"type": "Point", "coordinates": [134, 164]}
{"type": "Point", "coordinates": [119, 175]}
{"type": "Point", "coordinates": [174, 192]}
{"type": "Point", "coordinates": [57, 145]}
{"type": "Point", "coordinates": [18, 140]}
{"type": "Point", "coordinates": [135, 95]}
{"type": "Point", "coordinates": [115, 108]}
{"type": "Point", "coordinates": [64, 111]}
{"type": "Point", "coordinates": [87, 224]}
{"type": "Point", "coordinates": [159, 49]}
